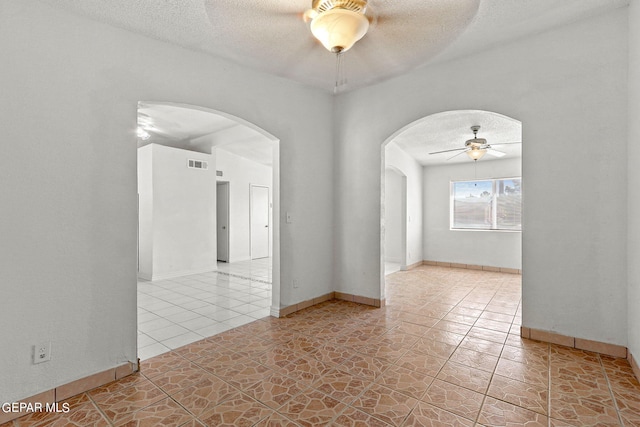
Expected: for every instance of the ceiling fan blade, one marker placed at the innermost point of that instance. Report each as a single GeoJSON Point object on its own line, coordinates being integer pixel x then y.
{"type": "Point", "coordinates": [495, 153]}
{"type": "Point", "coordinates": [447, 151]}
{"type": "Point", "coordinates": [465, 150]}
{"type": "Point", "coordinates": [507, 143]}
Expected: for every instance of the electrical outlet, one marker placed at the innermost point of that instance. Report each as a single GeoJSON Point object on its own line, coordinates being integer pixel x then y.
{"type": "Point", "coordinates": [288, 219]}
{"type": "Point", "coordinates": [42, 352]}
{"type": "Point", "coordinates": [295, 283]}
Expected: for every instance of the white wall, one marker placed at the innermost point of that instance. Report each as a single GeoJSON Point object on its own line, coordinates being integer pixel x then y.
{"type": "Point", "coordinates": [633, 247]}
{"type": "Point", "coordinates": [491, 248]}
{"type": "Point", "coordinates": [241, 173]}
{"type": "Point", "coordinates": [393, 210]}
{"type": "Point", "coordinates": [568, 88]}
{"type": "Point", "coordinates": [182, 213]}
{"type": "Point", "coordinates": [70, 89]}
{"type": "Point", "coordinates": [145, 211]}
{"type": "Point", "coordinates": [397, 158]}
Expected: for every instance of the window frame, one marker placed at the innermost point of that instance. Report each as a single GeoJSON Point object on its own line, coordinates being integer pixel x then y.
{"type": "Point", "coordinates": [494, 205]}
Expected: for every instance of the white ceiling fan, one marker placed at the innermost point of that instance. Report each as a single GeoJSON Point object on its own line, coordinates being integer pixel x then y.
{"type": "Point", "coordinates": [476, 147]}
{"type": "Point", "coordinates": [382, 37]}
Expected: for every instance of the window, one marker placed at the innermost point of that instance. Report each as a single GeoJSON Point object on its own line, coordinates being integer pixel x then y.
{"type": "Point", "coordinates": [493, 204]}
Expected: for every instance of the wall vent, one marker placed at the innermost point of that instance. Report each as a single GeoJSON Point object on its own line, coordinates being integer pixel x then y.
{"type": "Point", "coordinates": [197, 164]}
{"type": "Point", "coordinates": [218, 173]}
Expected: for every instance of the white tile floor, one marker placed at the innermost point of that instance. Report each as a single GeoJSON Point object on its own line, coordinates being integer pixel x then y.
{"type": "Point", "coordinates": [179, 311]}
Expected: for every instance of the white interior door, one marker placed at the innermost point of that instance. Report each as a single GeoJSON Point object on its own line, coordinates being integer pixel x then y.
{"type": "Point", "coordinates": [259, 222]}
{"type": "Point", "coordinates": [222, 218]}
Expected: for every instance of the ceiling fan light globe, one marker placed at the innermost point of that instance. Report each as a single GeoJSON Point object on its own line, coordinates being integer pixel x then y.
{"type": "Point", "coordinates": [476, 154]}
{"type": "Point", "coordinates": [339, 29]}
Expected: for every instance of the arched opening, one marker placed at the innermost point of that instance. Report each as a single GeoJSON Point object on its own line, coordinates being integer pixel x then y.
{"type": "Point", "coordinates": [208, 245]}
{"type": "Point", "coordinates": [443, 225]}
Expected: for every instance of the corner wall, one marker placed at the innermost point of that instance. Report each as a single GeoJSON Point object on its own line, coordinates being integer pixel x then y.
{"type": "Point", "coordinates": [70, 90]}
{"type": "Point", "coordinates": [568, 87]}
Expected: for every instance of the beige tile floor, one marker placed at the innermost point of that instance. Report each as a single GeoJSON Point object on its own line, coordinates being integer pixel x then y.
{"type": "Point", "coordinates": [445, 351]}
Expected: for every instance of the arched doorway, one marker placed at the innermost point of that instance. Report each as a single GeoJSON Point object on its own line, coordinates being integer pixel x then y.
{"type": "Point", "coordinates": [186, 154]}
{"type": "Point", "coordinates": [429, 152]}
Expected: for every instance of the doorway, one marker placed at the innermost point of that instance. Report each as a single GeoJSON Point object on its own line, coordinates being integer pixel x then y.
{"type": "Point", "coordinates": [194, 209]}
{"type": "Point", "coordinates": [430, 154]}
{"type": "Point", "coordinates": [222, 220]}
{"type": "Point", "coordinates": [259, 218]}
{"type": "Point", "coordinates": [395, 220]}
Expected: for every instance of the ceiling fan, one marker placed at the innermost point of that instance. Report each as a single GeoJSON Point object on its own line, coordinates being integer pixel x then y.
{"type": "Point", "coordinates": [338, 24]}
{"type": "Point", "coordinates": [381, 37]}
{"type": "Point", "coordinates": [476, 147]}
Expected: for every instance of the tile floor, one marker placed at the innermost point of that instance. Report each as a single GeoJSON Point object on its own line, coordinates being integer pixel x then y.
{"type": "Point", "coordinates": [176, 312]}
{"type": "Point", "coordinates": [445, 351]}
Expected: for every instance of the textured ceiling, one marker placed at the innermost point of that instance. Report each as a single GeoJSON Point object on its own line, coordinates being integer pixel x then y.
{"type": "Point", "coordinates": [270, 35]}
{"type": "Point", "coordinates": [203, 131]}
{"type": "Point", "coordinates": [190, 128]}
{"type": "Point", "coordinates": [450, 130]}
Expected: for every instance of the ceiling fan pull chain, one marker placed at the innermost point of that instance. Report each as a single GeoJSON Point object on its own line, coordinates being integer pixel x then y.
{"type": "Point", "coordinates": [335, 87]}
{"type": "Point", "coordinates": [341, 73]}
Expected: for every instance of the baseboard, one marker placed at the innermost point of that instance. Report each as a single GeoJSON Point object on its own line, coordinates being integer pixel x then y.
{"type": "Point", "coordinates": [175, 274]}
{"type": "Point", "coordinates": [472, 267]}
{"type": "Point", "coordinates": [360, 299]}
{"type": "Point", "coordinates": [634, 365]}
{"type": "Point", "coordinates": [285, 311]}
{"type": "Point", "coordinates": [578, 343]}
{"type": "Point", "coordinates": [73, 388]}
{"type": "Point", "coordinates": [414, 265]}
{"type": "Point", "coordinates": [144, 276]}
{"type": "Point", "coordinates": [274, 311]}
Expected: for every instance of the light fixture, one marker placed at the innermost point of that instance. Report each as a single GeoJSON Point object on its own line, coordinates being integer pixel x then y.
{"type": "Point", "coordinates": [142, 134]}
{"type": "Point", "coordinates": [476, 153]}
{"type": "Point", "coordinates": [338, 24]}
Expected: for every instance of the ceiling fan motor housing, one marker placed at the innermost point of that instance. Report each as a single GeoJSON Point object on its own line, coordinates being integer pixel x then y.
{"type": "Point", "coordinates": [475, 142]}
{"type": "Point", "coordinates": [359, 6]}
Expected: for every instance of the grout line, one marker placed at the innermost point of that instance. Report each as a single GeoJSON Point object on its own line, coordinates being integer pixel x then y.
{"type": "Point", "coordinates": [187, 289]}
{"type": "Point", "coordinates": [99, 409]}
{"type": "Point", "coordinates": [244, 277]}
{"type": "Point", "coordinates": [549, 385]}
{"type": "Point", "coordinates": [613, 397]}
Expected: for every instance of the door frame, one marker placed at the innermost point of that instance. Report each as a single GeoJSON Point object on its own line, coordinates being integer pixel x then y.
{"type": "Point", "coordinates": [403, 215]}
{"type": "Point", "coordinates": [251, 187]}
{"type": "Point", "coordinates": [228, 185]}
